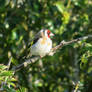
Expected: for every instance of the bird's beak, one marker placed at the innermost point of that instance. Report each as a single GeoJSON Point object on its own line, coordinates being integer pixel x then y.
{"type": "Point", "coordinates": [51, 34]}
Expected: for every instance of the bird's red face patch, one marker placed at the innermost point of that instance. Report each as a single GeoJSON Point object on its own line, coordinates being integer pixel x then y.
{"type": "Point", "coordinates": [48, 32]}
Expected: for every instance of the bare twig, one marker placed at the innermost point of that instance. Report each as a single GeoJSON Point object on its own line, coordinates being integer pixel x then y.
{"type": "Point", "coordinates": [63, 43]}
{"type": "Point", "coordinates": [9, 63]}
{"type": "Point", "coordinates": [53, 51]}
{"type": "Point", "coordinates": [26, 62]}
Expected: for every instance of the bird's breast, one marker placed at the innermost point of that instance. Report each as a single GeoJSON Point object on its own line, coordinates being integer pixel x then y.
{"type": "Point", "coordinates": [42, 47]}
{"type": "Point", "coordinates": [43, 41]}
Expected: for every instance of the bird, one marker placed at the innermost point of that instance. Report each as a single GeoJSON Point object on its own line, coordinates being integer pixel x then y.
{"type": "Point", "coordinates": [42, 43]}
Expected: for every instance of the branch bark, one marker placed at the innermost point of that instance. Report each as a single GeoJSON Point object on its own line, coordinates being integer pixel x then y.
{"type": "Point", "coordinates": [53, 51]}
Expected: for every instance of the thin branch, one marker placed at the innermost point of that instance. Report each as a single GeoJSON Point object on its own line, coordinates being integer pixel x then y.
{"type": "Point", "coordinates": [26, 63]}
{"type": "Point", "coordinates": [63, 43]}
{"type": "Point", "coordinates": [9, 63]}
{"type": "Point", "coordinates": [53, 51]}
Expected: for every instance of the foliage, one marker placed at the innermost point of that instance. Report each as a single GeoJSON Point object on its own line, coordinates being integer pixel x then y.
{"type": "Point", "coordinates": [6, 77]}
{"type": "Point", "coordinates": [70, 68]}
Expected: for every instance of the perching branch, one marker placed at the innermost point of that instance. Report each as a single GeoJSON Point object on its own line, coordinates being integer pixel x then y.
{"type": "Point", "coordinates": [26, 63]}
{"type": "Point", "coordinates": [63, 43]}
{"type": "Point", "coordinates": [53, 51]}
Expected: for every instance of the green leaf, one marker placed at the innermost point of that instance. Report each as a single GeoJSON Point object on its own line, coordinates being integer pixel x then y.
{"type": "Point", "coordinates": [21, 89]}
{"type": "Point", "coordinates": [7, 89]}
{"type": "Point", "coordinates": [12, 84]}
{"type": "Point", "coordinates": [2, 67]}
{"type": "Point", "coordinates": [60, 6]}
{"type": "Point", "coordinates": [6, 73]}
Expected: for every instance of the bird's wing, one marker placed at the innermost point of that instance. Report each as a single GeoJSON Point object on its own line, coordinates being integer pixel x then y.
{"type": "Point", "coordinates": [33, 41]}
{"type": "Point", "coordinates": [36, 38]}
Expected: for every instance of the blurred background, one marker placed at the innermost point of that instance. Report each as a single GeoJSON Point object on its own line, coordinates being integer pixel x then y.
{"type": "Point", "coordinates": [70, 69]}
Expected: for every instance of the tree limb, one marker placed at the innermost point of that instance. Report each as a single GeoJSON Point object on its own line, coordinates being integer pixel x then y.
{"type": "Point", "coordinates": [53, 51]}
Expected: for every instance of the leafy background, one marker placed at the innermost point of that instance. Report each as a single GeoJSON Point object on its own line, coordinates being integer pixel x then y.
{"type": "Point", "coordinates": [70, 69]}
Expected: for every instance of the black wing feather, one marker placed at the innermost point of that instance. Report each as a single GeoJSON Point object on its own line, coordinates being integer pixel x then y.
{"type": "Point", "coordinates": [36, 38]}
{"type": "Point", "coordinates": [33, 41]}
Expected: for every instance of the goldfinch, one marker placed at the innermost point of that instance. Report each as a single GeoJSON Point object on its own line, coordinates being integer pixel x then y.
{"type": "Point", "coordinates": [42, 43]}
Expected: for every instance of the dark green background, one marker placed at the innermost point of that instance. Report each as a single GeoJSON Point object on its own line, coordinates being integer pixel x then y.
{"type": "Point", "coordinates": [20, 20]}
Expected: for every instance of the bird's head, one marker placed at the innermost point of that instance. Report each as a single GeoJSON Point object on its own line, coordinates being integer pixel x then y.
{"type": "Point", "coordinates": [47, 33]}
